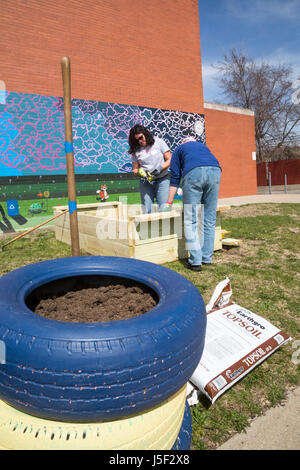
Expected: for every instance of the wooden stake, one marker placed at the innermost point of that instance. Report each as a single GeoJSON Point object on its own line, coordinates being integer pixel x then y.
{"type": "Point", "coordinates": [66, 76]}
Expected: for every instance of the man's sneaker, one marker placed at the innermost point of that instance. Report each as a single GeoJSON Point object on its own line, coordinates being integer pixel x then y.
{"type": "Point", "coordinates": [194, 267]}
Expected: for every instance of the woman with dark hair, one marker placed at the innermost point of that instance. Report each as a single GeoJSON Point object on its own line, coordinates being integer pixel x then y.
{"type": "Point", "coordinates": [151, 158]}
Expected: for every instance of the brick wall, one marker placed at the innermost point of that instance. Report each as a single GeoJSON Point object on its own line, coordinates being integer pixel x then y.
{"type": "Point", "coordinates": [121, 51]}
{"type": "Point", "coordinates": [128, 52]}
{"type": "Point", "coordinates": [230, 136]}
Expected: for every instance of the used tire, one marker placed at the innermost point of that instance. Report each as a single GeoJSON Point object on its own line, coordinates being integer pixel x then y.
{"type": "Point", "coordinates": [83, 372]}
{"type": "Point", "coordinates": [184, 438]}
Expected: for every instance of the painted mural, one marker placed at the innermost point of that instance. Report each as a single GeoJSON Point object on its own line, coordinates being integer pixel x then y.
{"type": "Point", "coordinates": [32, 134]}
{"type": "Point", "coordinates": [32, 155]}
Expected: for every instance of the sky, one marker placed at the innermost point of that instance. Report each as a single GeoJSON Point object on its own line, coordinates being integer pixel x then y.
{"type": "Point", "coordinates": [266, 30]}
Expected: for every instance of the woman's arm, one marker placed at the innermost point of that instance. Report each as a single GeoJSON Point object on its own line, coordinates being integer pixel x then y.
{"type": "Point", "coordinates": [165, 164]}
{"type": "Point", "coordinates": [136, 167]}
{"type": "Point", "coordinates": [167, 158]}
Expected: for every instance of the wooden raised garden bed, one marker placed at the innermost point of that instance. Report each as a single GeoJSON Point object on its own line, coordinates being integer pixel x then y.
{"type": "Point", "coordinates": [116, 229]}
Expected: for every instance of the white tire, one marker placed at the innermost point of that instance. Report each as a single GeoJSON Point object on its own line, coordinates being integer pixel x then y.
{"type": "Point", "coordinates": [155, 429]}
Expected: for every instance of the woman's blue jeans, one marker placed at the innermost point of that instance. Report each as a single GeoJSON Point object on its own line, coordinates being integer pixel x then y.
{"type": "Point", "coordinates": [157, 189]}
{"type": "Point", "coordinates": [200, 186]}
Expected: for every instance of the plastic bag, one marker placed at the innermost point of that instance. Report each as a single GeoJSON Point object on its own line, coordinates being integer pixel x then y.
{"type": "Point", "coordinates": [236, 341]}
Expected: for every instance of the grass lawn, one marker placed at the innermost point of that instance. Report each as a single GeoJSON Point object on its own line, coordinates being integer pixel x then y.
{"type": "Point", "coordinates": [265, 278]}
{"type": "Point", "coordinates": [29, 219]}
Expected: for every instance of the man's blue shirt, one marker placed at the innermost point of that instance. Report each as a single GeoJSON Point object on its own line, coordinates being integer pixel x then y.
{"type": "Point", "coordinates": [188, 156]}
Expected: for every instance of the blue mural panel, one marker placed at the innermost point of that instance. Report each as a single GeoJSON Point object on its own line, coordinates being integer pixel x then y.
{"type": "Point", "coordinates": [32, 134]}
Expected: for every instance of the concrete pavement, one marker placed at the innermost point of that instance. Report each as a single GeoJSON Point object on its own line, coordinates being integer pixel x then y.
{"type": "Point", "coordinates": [278, 429]}
{"type": "Point", "coordinates": [258, 198]}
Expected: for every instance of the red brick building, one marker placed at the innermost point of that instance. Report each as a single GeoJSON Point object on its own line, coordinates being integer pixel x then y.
{"type": "Point", "coordinates": [124, 51]}
{"type": "Point", "coordinates": [230, 134]}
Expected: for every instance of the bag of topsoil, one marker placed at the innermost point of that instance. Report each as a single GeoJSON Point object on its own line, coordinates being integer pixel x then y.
{"type": "Point", "coordinates": [236, 341]}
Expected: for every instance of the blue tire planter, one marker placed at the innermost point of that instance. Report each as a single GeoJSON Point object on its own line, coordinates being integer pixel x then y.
{"type": "Point", "coordinates": [87, 372]}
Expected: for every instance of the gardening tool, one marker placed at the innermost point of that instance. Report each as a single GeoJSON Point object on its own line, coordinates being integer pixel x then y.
{"type": "Point", "coordinates": [31, 229]}
{"type": "Point", "coordinates": [146, 175]}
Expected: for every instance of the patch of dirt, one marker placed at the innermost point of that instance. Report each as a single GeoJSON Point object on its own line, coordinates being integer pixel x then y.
{"type": "Point", "coordinates": [97, 299]}
{"type": "Point", "coordinates": [251, 210]}
{"type": "Point", "coordinates": [235, 253]}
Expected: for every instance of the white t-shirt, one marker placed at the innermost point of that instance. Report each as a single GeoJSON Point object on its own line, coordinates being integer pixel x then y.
{"type": "Point", "coordinates": [151, 157]}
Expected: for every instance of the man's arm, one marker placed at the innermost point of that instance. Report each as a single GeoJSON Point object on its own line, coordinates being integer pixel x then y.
{"type": "Point", "coordinates": [175, 177]}
{"type": "Point", "coordinates": [172, 192]}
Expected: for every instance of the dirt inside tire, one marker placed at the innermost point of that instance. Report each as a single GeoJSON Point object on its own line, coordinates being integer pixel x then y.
{"type": "Point", "coordinates": [89, 299]}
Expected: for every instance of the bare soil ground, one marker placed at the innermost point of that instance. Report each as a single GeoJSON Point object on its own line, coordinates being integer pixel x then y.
{"type": "Point", "coordinates": [91, 300]}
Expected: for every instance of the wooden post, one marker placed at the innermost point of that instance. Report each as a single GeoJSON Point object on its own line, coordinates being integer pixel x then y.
{"type": "Point", "coordinates": [66, 76]}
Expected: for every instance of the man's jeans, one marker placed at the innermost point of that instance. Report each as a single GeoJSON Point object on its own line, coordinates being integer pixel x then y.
{"type": "Point", "coordinates": [200, 186]}
{"type": "Point", "coordinates": [158, 189]}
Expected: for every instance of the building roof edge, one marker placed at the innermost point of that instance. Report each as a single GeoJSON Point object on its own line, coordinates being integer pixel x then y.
{"type": "Point", "coordinates": [228, 109]}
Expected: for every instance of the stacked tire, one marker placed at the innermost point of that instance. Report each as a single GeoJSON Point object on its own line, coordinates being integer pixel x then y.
{"type": "Point", "coordinates": [106, 385]}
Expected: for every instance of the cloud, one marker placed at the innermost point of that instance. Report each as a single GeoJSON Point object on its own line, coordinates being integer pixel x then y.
{"type": "Point", "coordinates": [282, 56]}
{"type": "Point", "coordinates": [213, 93]}
{"type": "Point", "coordinates": [262, 10]}
{"type": "Point", "coordinates": [208, 71]}
{"type": "Point", "coordinates": [211, 90]}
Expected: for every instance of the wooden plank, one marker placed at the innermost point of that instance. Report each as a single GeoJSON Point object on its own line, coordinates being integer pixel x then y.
{"type": "Point", "coordinates": [94, 226]}
{"type": "Point", "coordinates": [160, 252]}
{"type": "Point", "coordinates": [218, 239]}
{"type": "Point", "coordinates": [131, 232]}
{"type": "Point", "coordinates": [63, 235]}
{"type": "Point", "coordinates": [62, 221]}
{"type": "Point", "coordinates": [106, 247]}
{"type": "Point", "coordinates": [95, 246]}
{"type": "Point", "coordinates": [90, 206]}
{"type": "Point", "coordinates": [111, 212]}
{"type": "Point", "coordinates": [152, 226]}
{"type": "Point", "coordinates": [106, 229]}
{"type": "Point", "coordinates": [156, 239]}
{"type": "Point", "coordinates": [156, 216]}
